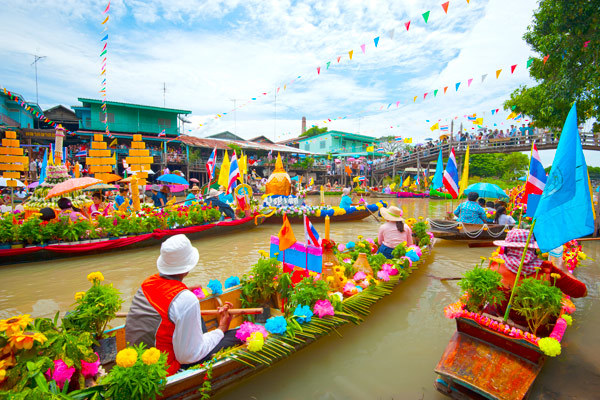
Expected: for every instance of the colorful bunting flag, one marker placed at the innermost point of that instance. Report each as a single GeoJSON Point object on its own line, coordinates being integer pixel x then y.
{"type": "Point", "coordinates": [529, 62]}
{"type": "Point", "coordinates": [407, 24]}
{"type": "Point", "coordinates": [498, 72]}
{"type": "Point", "coordinates": [425, 96]}
{"type": "Point", "coordinates": [469, 82]}
{"type": "Point", "coordinates": [483, 77]}
{"type": "Point", "coordinates": [426, 16]}
{"type": "Point", "coordinates": [546, 58]}
{"type": "Point", "coordinates": [338, 59]}
{"type": "Point", "coordinates": [435, 92]}
{"type": "Point", "coordinates": [318, 70]}
{"type": "Point", "coordinates": [445, 88]}
{"type": "Point", "coordinates": [457, 85]}
{"type": "Point", "coordinates": [362, 47]}
{"type": "Point", "coordinates": [512, 68]}
{"type": "Point", "coordinates": [328, 62]}
{"type": "Point", "coordinates": [350, 53]}
{"type": "Point", "coordinates": [376, 40]}
{"type": "Point", "coordinates": [445, 6]}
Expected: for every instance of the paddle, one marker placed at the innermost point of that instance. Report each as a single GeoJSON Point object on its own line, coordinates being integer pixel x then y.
{"type": "Point", "coordinates": [233, 311]}
{"type": "Point", "coordinates": [444, 279]}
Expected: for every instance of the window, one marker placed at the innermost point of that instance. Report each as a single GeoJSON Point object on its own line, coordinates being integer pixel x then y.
{"type": "Point", "coordinates": [109, 116]}
{"type": "Point", "coordinates": [322, 144]}
{"type": "Point", "coordinates": [164, 123]}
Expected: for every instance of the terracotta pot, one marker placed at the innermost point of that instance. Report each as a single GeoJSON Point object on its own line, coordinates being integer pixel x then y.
{"type": "Point", "coordinates": [362, 264]}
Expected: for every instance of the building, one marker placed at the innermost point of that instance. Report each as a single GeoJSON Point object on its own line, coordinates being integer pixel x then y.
{"type": "Point", "coordinates": [13, 116]}
{"type": "Point", "coordinates": [64, 116]}
{"type": "Point", "coordinates": [225, 135]}
{"type": "Point", "coordinates": [336, 142]}
{"type": "Point", "coordinates": [261, 139]}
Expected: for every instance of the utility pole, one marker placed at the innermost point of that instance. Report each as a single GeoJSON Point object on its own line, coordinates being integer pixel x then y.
{"type": "Point", "coordinates": [36, 58]}
{"type": "Point", "coordinates": [234, 114]}
{"type": "Point", "coordinates": [164, 94]}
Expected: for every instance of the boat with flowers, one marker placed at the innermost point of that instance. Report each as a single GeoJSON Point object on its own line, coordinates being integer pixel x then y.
{"type": "Point", "coordinates": [490, 357]}
{"type": "Point", "coordinates": [469, 233]}
{"type": "Point", "coordinates": [274, 215]}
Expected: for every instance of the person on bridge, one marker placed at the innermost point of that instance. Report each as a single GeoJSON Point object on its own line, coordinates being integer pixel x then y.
{"type": "Point", "coordinates": [470, 212]}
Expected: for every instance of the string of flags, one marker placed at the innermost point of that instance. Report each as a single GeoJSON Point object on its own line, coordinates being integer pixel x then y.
{"type": "Point", "coordinates": [103, 60]}
{"type": "Point", "coordinates": [23, 104]}
{"type": "Point", "coordinates": [363, 48]}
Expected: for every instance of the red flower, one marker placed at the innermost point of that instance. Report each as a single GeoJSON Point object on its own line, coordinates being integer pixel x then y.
{"type": "Point", "coordinates": [298, 276]}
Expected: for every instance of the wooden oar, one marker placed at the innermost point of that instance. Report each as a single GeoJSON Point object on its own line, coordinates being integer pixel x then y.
{"type": "Point", "coordinates": [444, 279]}
{"type": "Point", "coordinates": [233, 311]}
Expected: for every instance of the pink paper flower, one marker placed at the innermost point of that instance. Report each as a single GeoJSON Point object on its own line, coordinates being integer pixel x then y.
{"type": "Point", "coordinates": [61, 373]}
{"type": "Point", "coordinates": [359, 276]}
{"type": "Point", "coordinates": [89, 370]}
{"type": "Point", "coordinates": [248, 328]}
{"type": "Point", "coordinates": [383, 275]}
{"type": "Point", "coordinates": [347, 260]}
{"type": "Point", "coordinates": [199, 293]}
{"type": "Point", "coordinates": [341, 247]}
{"type": "Point", "coordinates": [350, 289]}
{"type": "Point", "coordinates": [364, 284]}
{"type": "Point", "coordinates": [323, 308]}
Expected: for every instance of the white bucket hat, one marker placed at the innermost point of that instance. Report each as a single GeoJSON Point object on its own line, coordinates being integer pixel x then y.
{"type": "Point", "coordinates": [177, 256]}
{"type": "Point", "coordinates": [214, 192]}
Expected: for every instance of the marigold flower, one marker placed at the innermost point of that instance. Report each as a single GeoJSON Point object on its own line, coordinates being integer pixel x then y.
{"type": "Point", "coordinates": [25, 340]}
{"type": "Point", "coordinates": [126, 358]}
{"type": "Point", "coordinates": [95, 277]}
{"type": "Point", "coordinates": [151, 356]}
{"type": "Point", "coordinates": [15, 325]}
{"type": "Point", "coordinates": [79, 295]}
{"type": "Point", "coordinates": [256, 341]}
{"type": "Point", "coordinates": [555, 275]}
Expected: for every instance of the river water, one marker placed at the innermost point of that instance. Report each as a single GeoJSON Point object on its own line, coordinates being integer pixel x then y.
{"type": "Point", "coordinates": [391, 355]}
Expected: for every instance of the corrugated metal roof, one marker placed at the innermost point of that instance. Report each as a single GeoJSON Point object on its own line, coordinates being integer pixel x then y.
{"type": "Point", "coordinates": [222, 144]}
{"type": "Point", "coordinates": [131, 105]}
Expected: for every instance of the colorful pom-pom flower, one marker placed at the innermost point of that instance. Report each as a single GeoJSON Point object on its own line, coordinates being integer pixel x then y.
{"type": "Point", "coordinates": [276, 325]}
{"type": "Point", "coordinates": [215, 286]}
{"type": "Point", "coordinates": [231, 282]}
{"type": "Point", "coordinates": [323, 308]}
{"type": "Point", "coordinates": [303, 314]}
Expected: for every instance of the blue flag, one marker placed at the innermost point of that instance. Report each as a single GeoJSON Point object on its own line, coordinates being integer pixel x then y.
{"type": "Point", "coordinates": [438, 178]}
{"type": "Point", "coordinates": [44, 166]}
{"type": "Point", "coordinates": [565, 208]}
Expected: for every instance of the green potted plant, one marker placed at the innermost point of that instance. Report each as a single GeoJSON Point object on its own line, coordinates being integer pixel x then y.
{"type": "Point", "coordinates": [259, 285]}
{"type": "Point", "coordinates": [538, 301]}
{"type": "Point", "coordinates": [483, 287]}
{"type": "Point", "coordinates": [307, 292]}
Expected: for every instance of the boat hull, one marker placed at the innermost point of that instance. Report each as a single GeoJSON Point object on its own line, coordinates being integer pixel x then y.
{"type": "Point", "coordinates": [355, 216]}
{"type": "Point", "coordinates": [101, 246]}
{"type": "Point", "coordinates": [469, 233]}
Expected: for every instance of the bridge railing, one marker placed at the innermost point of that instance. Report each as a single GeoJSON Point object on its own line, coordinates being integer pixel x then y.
{"type": "Point", "coordinates": [492, 145]}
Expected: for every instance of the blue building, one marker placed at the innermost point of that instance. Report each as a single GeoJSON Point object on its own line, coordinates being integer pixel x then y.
{"type": "Point", "coordinates": [336, 142]}
{"type": "Point", "coordinates": [13, 116]}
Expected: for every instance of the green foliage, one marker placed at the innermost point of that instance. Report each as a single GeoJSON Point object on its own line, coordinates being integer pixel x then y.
{"type": "Point", "coordinates": [514, 166]}
{"type": "Point", "coordinates": [571, 73]}
{"type": "Point", "coordinates": [376, 261]}
{"type": "Point", "coordinates": [30, 230]}
{"type": "Point", "coordinates": [509, 166]}
{"type": "Point", "coordinates": [485, 165]}
{"type": "Point", "coordinates": [236, 148]}
{"type": "Point", "coordinates": [260, 284]}
{"type": "Point", "coordinates": [314, 131]}
{"type": "Point", "coordinates": [284, 285]}
{"type": "Point", "coordinates": [307, 292]}
{"type": "Point", "coordinates": [95, 309]}
{"type": "Point", "coordinates": [399, 251]}
{"type": "Point", "coordinates": [537, 301]}
{"type": "Point", "coordinates": [482, 286]}
{"type": "Point", "coordinates": [8, 230]}
{"type": "Point", "coordinates": [138, 382]}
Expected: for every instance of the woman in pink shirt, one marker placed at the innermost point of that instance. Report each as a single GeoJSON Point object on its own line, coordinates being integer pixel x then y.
{"type": "Point", "coordinates": [393, 232]}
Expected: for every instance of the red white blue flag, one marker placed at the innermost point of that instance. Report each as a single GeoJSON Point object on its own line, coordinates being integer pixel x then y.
{"type": "Point", "coordinates": [162, 133]}
{"type": "Point", "coordinates": [536, 181]}
{"type": "Point", "coordinates": [310, 233]}
{"type": "Point", "coordinates": [234, 173]}
{"type": "Point", "coordinates": [451, 176]}
{"type": "Point", "coordinates": [210, 164]}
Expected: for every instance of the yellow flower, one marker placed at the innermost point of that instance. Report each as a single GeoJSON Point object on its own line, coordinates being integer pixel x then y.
{"type": "Point", "coordinates": [126, 358]}
{"type": "Point", "coordinates": [263, 253]}
{"type": "Point", "coordinates": [25, 340]}
{"type": "Point", "coordinates": [420, 217]}
{"type": "Point", "coordinates": [151, 356]}
{"type": "Point", "coordinates": [79, 295]}
{"type": "Point", "coordinates": [330, 279]}
{"type": "Point", "coordinates": [95, 277]}
{"type": "Point", "coordinates": [15, 325]}
{"type": "Point", "coordinates": [360, 237]}
{"type": "Point", "coordinates": [483, 258]}
{"type": "Point", "coordinates": [256, 341]}
{"type": "Point", "coordinates": [555, 275]}
{"type": "Point", "coordinates": [2, 374]}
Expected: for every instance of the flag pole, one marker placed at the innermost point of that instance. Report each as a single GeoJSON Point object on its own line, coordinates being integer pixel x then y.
{"type": "Point", "coordinates": [530, 161]}
{"type": "Point", "coordinates": [512, 293]}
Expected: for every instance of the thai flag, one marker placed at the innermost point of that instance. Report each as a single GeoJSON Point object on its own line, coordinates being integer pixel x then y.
{"type": "Point", "coordinates": [398, 138]}
{"type": "Point", "coordinates": [210, 164]}
{"type": "Point", "coordinates": [451, 176]}
{"type": "Point", "coordinates": [310, 233]}
{"type": "Point", "coordinates": [162, 133]}
{"type": "Point", "coordinates": [443, 127]}
{"type": "Point", "coordinates": [362, 178]}
{"type": "Point", "coordinates": [380, 150]}
{"type": "Point", "coordinates": [234, 172]}
{"type": "Point", "coordinates": [472, 117]}
{"type": "Point", "coordinates": [82, 153]}
{"type": "Point", "coordinates": [536, 181]}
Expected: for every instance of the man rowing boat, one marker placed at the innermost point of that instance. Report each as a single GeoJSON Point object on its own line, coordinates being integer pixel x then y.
{"type": "Point", "coordinates": [165, 314]}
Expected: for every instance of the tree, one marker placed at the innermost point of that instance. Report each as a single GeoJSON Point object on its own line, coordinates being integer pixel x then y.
{"type": "Point", "coordinates": [514, 166]}
{"type": "Point", "coordinates": [568, 32]}
{"type": "Point", "coordinates": [389, 144]}
{"type": "Point", "coordinates": [314, 131]}
{"type": "Point", "coordinates": [484, 165]}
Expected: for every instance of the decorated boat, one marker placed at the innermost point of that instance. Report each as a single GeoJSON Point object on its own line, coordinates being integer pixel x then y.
{"type": "Point", "coordinates": [411, 195]}
{"type": "Point", "coordinates": [490, 357]}
{"type": "Point", "coordinates": [469, 233]}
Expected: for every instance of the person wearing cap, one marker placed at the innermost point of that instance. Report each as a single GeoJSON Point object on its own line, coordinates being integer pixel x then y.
{"type": "Point", "coordinates": [346, 199]}
{"type": "Point", "coordinates": [120, 198]}
{"type": "Point", "coordinates": [393, 232]}
{"type": "Point", "coordinates": [165, 313]}
{"type": "Point", "coordinates": [193, 196]}
{"type": "Point", "coordinates": [471, 212]}
{"type": "Point", "coordinates": [158, 197]}
{"type": "Point", "coordinates": [214, 201]}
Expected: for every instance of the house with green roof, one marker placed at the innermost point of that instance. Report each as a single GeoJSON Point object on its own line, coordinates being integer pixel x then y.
{"type": "Point", "coordinates": [336, 142]}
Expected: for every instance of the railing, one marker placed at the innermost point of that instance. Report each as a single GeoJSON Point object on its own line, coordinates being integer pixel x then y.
{"type": "Point", "coordinates": [543, 141]}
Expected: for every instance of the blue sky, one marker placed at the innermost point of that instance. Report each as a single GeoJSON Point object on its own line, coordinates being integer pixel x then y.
{"type": "Point", "coordinates": [210, 52]}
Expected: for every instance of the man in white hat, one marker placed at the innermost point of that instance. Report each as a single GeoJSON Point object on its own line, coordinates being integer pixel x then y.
{"type": "Point", "coordinates": [165, 314]}
{"type": "Point", "coordinates": [214, 201]}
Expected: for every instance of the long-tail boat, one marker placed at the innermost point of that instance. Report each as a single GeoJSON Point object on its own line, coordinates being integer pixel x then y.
{"type": "Point", "coordinates": [465, 232]}
{"type": "Point", "coordinates": [274, 215]}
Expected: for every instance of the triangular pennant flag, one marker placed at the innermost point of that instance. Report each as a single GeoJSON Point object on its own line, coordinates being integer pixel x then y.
{"type": "Point", "coordinates": [445, 88]}
{"type": "Point", "coordinates": [529, 62]}
{"type": "Point", "coordinates": [318, 70]}
{"type": "Point", "coordinates": [339, 57]}
{"type": "Point", "coordinates": [426, 16]}
{"type": "Point", "coordinates": [425, 96]}
{"type": "Point", "coordinates": [498, 73]}
{"type": "Point", "coordinates": [328, 62]}
{"type": "Point", "coordinates": [415, 99]}
{"type": "Point", "coordinates": [468, 2]}
{"type": "Point", "coordinates": [105, 20]}
{"type": "Point", "coordinates": [445, 6]}
{"type": "Point", "coordinates": [493, 111]}
{"type": "Point", "coordinates": [350, 53]}
{"type": "Point", "coordinates": [362, 47]}
{"type": "Point", "coordinates": [457, 85]}
{"type": "Point", "coordinates": [469, 82]}
{"type": "Point", "coordinates": [435, 92]}
{"type": "Point", "coordinates": [391, 33]}
{"type": "Point", "coordinates": [407, 25]}
{"type": "Point", "coordinates": [104, 38]}
{"type": "Point", "coordinates": [483, 77]}
{"type": "Point", "coordinates": [512, 68]}
{"type": "Point", "coordinates": [376, 40]}
{"type": "Point", "coordinates": [546, 58]}
{"type": "Point", "coordinates": [513, 107]}
{"type": "Point", "coordinates": [397, 104]}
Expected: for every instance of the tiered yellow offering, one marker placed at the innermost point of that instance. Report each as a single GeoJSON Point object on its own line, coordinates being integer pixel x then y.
{"type": "Point", "coordinates": [135, 193]}
{"type": "Point", "coordinates": [139, 159]}
{"type": "Point", "coordinates": [12, 160]}
{"type": "Point", "coordinates": [100, 162]}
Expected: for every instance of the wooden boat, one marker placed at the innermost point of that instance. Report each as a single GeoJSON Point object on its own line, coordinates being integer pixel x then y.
{"type": "Point", "coordinates": [355, 216]}
{"type": "Point", "coordinates": [436, 194]}
{"type": "Point", "coordinates": [239, 363]}
{"type": "Point", "coordinates": [411, 195]}
{"type": "Point", "coordinates": [469, 233]}
{"type": "Point", "coordinates": [480, 363]}
{"type": "Point", "coordinates": [36, 253]}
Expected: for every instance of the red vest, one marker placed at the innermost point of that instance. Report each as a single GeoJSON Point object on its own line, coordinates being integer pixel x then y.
{"type": "Point", "coordinates": [160, 292]}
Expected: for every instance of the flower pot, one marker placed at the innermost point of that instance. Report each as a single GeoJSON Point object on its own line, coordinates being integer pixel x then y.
{"type": "Point", "coordinates": [362, 264]}
{"type": "Point", "coordinates": [107, 349]}
{"type": "Point", "coordinates": [265, 315]}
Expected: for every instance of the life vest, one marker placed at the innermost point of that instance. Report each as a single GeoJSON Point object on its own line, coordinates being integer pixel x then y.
{"type": "Point", "coordinates": [160, 292]}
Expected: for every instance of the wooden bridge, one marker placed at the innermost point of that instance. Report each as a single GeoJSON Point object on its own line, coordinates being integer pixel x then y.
{"type": "Point", "coordinates": [425, 155]}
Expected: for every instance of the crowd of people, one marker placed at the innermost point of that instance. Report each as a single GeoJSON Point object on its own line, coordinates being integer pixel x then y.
{"type": "Point", "coordinates": [477, 211]}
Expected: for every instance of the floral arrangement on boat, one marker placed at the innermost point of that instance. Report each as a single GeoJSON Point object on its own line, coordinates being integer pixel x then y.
{"type": "Point", "coordinates": [317, 211]}
{"type": "Point", "coordinates": [55, 175]}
